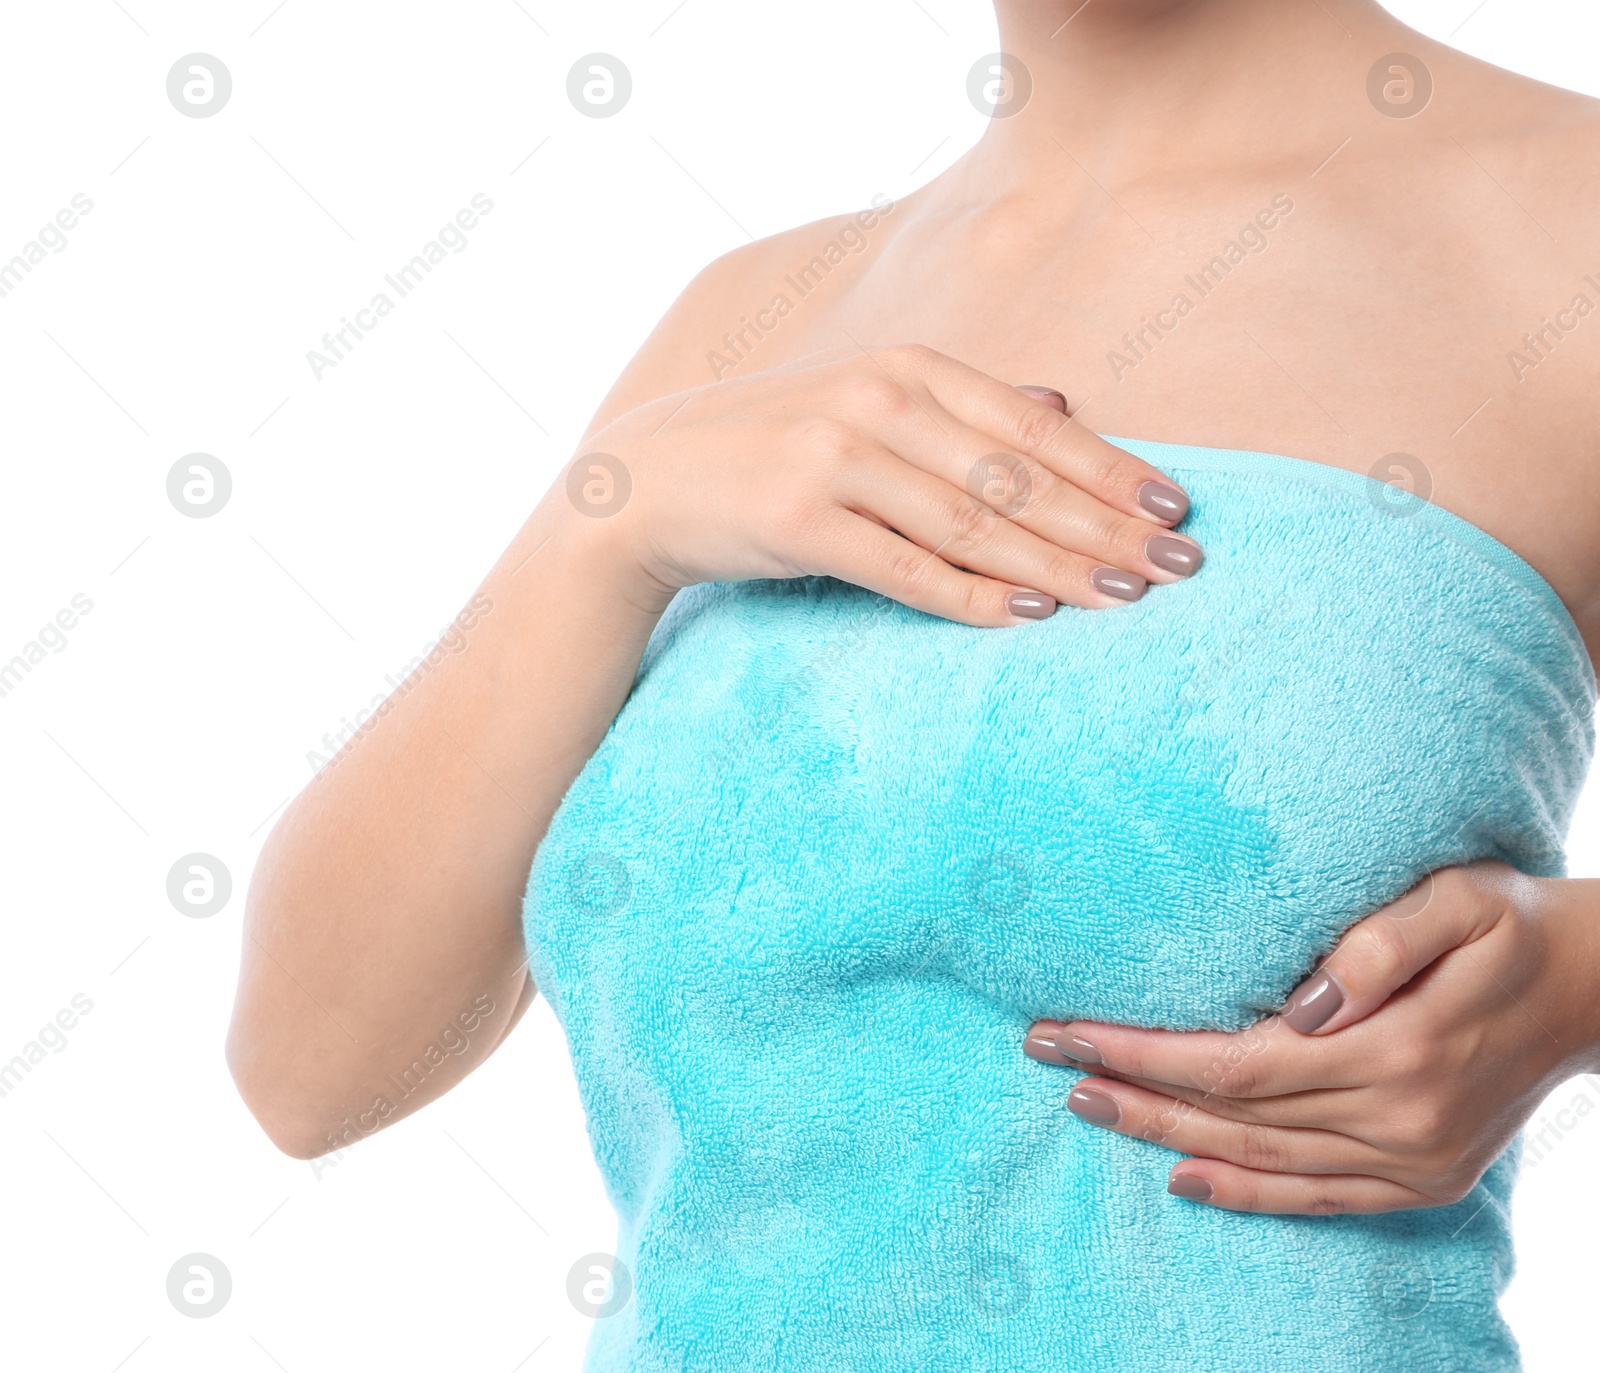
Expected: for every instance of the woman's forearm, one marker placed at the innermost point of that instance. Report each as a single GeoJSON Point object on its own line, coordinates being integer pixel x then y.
{"type": "Point", "coordinates": [383, 953]}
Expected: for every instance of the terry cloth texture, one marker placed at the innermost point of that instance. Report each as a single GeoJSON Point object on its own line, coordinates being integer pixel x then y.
{"type": "Point", "coordinates": [835, 855]}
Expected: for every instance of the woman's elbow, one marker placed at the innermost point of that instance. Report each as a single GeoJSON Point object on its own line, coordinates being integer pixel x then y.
{"type": "Point", "coordinates": [291, 1117]}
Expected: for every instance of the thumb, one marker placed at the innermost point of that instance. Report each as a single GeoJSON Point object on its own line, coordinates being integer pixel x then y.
{"type": "Point", "coordinates": [1377, 957]}
{"type": "Point", "coordinates": [1050, 397]}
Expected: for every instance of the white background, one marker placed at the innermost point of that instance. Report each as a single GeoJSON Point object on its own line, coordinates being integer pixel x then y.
{"type": "Point", "coordinates": [365, 506]}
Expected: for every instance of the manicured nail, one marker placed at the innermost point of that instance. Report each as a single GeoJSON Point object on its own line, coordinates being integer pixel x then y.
{"type": "Point", "coordinates": [1174, 553]}
{"type": "Point", "coordinates": [1163, 500]}
{"type": "Point", "coordinates": [1031, 605]}
{"type": "Point", "coordinates": [1079, 1049]}
{"type": "Point", "coordinates": [1188, 1186]}
{"type": "Point", "coordinates": [1055, 398]}
{"type": "Point", "coordinates": [1095, 1107]}
{"type": "Point", "coordinates": [1041, 1045]}
{"type": "Point", "coordinates": [1125, 586]}
{"type": "Point", "coordinates": [1314, 1003]}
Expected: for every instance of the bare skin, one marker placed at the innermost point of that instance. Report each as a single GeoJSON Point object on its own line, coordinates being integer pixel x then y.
{"type": "Point", "coordinates": [1378, 319]}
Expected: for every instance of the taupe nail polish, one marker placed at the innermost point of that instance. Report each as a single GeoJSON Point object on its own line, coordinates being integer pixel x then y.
{"type": "Point", "coordinates": [1031, 605]}
{"type": "Point", "coordinates": [1095, 1107]}
{"type": "Point", "coordinates": [1314, 1003]}
{"type": "Point", "coordinates": [1044, 1048]}
{"type": "Point", "coordinates": [1049, 396]}
{"type": "Point", "coordinates": [1163, 500]}
{"type": "Point", "coordinates": [1188, 1186]}
{"type": "Point", "coordinates": [1125, 586]}
{"type": "Point", "coordinates": [1174, 553]}
{"type": "Point", "coordinates": [1079, 1049]}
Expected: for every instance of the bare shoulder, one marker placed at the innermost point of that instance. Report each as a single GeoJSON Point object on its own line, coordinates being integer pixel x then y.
{"type": "Point", "coordinates": [1544, 138]}
{"type": "Point", "coordinates": [1516, 182]}
{"type": "Point", "coordinates": [717, 324]}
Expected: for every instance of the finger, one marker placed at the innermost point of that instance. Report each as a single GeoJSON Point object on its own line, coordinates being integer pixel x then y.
{"type": "Point", "coordinates": [969, 534]}
{"type": "Point", "coordinates": [859, 550]}
{"type": "Point", "coordinates": [1190, 1129]}
{"type": "Point", "coordinates": [1265, 1060]}
{"type": "Point", "coordinates": [1344, 1110]}
{"type": "Point", "coordinates": [1306, 1110]}
{"type": "Point", "coordinates": [1049, 395]}
{"type": "Point", "coordinates": [1063, 446]}
{"type": "Point", "coordinates": [1233, 1188]}
{"type": "Point", "coordinates": [1066, 514]}
{"type": "Point", "coordinates": [910, 422]}
{"type": "Point", "coordinates": [1446, 910]}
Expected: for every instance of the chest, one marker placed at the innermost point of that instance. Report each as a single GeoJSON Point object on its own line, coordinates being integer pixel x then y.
{"type": "Point", "coordinates": [1440, 325]}
{"type": "Point", "coordinates": [1155, 816]}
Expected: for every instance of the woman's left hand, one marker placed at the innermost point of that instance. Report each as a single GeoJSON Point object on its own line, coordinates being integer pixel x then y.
{"type": "Point", "coordinates": [1396, 1073]}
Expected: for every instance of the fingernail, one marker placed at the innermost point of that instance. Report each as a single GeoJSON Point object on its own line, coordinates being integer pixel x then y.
{"type": "Point", "coordinates": [1164, 500]}
{"type": "Point", "coordinates": [1314, 1003]}
{"type": "Point", "coordinates": [1031, 605]}
{"type": "Point", "coordinates": [1052, 397]}
{"type": "Point", "coordinates": [1079, 1049]}
{"type": "Point", "coordinates": [1174, 553]}
{"type": "Point", "coordinates": [1095, 1107]}
{"type": "Point", "coordinates": [1125, 586]}
{"type": "Point", "coordinates": [1042, 1046]}
{"type": "Point", "coordinates": [1187, 1185]}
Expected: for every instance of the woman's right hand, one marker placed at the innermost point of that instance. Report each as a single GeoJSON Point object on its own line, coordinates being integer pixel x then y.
{"type": "Point", "coordinates": [898, 469]}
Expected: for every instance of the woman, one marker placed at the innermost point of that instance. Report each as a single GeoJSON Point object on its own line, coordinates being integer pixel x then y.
{"type": "Point", "coordinates": [937, 879]}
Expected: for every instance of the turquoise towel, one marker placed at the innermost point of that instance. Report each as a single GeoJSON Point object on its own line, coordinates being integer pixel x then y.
{"type": "Point", "coordinates": [835, 855]}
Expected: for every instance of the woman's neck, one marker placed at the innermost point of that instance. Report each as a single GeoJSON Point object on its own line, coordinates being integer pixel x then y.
{"type": "Point", "coordinates": [1142, 91]}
